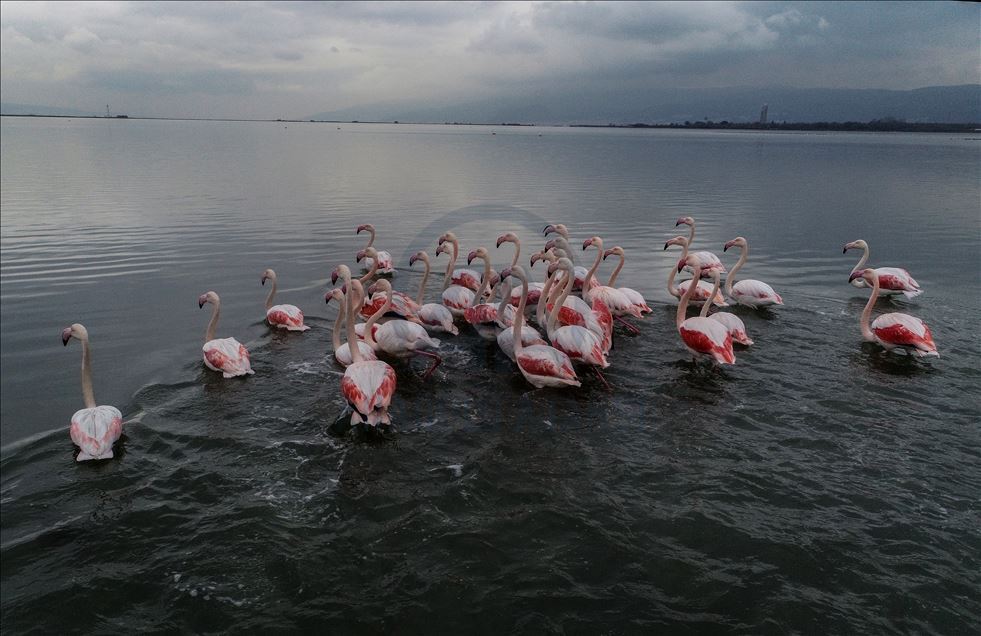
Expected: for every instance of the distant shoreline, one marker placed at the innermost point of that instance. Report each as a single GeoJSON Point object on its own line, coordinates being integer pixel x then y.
{"type": "Point", "coordinates": [876, 125]}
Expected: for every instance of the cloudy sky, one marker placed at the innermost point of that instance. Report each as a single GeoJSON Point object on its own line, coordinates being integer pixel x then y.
{"type": "Point", "coordinates": [291, 60]}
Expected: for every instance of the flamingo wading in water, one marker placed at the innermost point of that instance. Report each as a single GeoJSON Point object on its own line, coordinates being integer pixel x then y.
{"type": "Point", "coordinates": [748, 292]}
{"type": "Point", "coordinates": [708, 260]}
{"type": "Point", "coordinates": [733, 324]}
{"type": "Point", "coordinates": [433, 316]}
{"type": "Point", "coordinates": [703, 289]}
{"type": "Point", "coordinates": [342, 352]}
{"type": "Point", "coordinates": [94, 429]}
{"type": "Point", "coordinates": [632, 295]}
{"type": "Point", "coordinates": [382, 258]}
{"type": "Point", "coordinates": [400, 338]}
{"type": "Point", "coordinates": [894, 330]}
{"type": "Point", "coordinates": [703, 337]}
{"type": "Point", "coordinates": [892, 280]}
{"type": "Point", "coordinates": [227, 355]}
{"type": "Point", "coordinates": [287, 317]}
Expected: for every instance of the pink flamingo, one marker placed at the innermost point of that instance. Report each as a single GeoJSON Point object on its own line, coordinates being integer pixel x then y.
{"type": "Point", "coordinates": [894, 330]}
{"type": "Point", "coordinates": [433, 316]}
{"type": "Point", "coordinates": [535, 291]}
{"type": "Point", "coordinates": [892, 280]}
{"type": "Point", "coordinates": [632, 295]}
{"type": "Point", "coordinates": [94, 429]}
{"type": "Point", "coordinates": [561, 243]}
{"type": "Point", "coordinates": [457, 298]}
{"type": "Point", "coordinates": [574, 310]}
{"type": "Point", "coordinates": [577, 342]}
{"type": "Point", "coordinates": [227, 355]}
{"type": "Point", "coordinates": [403, 304]}
{"type": "Point", "coordinates": [703, 289]}
{"type": "Point", "coordinates": [400, 338]}
{"type": "Point", "coordinates": [618, 304]}
{"type": "Point", "coordinates": [287, 317]}
{"type": "Point", "coordinates": [381, 258]}
{"type": "Point", "coordinates": [342, 352]}
{"type": "Point", "coordinates": [505, 316]}
{"type": "Point", "coordinates": [752, 293]}
{"type": "Point", "coordinates": [358, 326]}
{"type": "Point", "coordinates": [367, 385]}
{"type": "Point", "coordinates": [709, 260]}
{"type": "Point", "coordinates": [463, 277]}
{"type": "Point", "coordinates": [483, 316]}
{"type": "Point", "coordinates": [703, 337]}
{"type": "Point", "coordinates": [733, 324]}
{"type": "Point", "coordinates": [541, 365]}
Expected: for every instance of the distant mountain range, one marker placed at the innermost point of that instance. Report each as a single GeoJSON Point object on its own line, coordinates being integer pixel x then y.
{"type": "Point", "coordinates": [942, 104]}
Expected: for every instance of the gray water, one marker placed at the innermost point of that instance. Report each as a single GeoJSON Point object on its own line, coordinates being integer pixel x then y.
{"type": "Point", "coordinates": [817, 486]}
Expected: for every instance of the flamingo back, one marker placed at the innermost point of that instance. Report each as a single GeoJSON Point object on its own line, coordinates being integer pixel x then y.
{"type": "Point", "coordinates": [227, 355]}
{"type": "Point", "coordinates": [343, 353]}
{"type": "Point", "coordinates": [546, 366]}
{"type": "Point", "coordinates": [755, 293]}
{"type": "Point", "coordinates": [734, 325]}
{"type": "Point", "coordinates": [902, 330]}
{"type": "Point", "coordinates": [287, 317]}
{"type": "Point", "coordinates": [368, 387]}
{"type": "Point", "coordinates": [94, 430]}
{"type": "Point", "coordinates": [708, 337]}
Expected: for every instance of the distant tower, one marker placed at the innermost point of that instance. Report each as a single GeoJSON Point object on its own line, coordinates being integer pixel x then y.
{"type": "Point", "coordinates": [107, 110]}
{"type": "Point", "coordinates": [763, 114]}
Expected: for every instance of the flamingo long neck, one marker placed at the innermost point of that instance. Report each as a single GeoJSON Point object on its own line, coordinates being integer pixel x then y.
{"type": "Point", "coordinates": [731, 277]}
{"type": "Point", "coordinates": [867, 312]}
{"type": "Point", "coordinates": [505, 299]}
{"type": "Point", "coordinates": [674, 272]}
{"type": "Point", "coordinates": [371, 239]}
{"type": "Point", "coordinates": [335, 336]}
{"type": "Point", "coordinates": [691, 234]}
{"type": "Point", "coordinates": [544, 298]}
{"type": "Point", "coordinates": [87, 393]}
{"type": "Point", "coordinates": [484, 280]}
{"type": "Point", "coordinates": [422, 285]}
{"type": "Point", "coordinates": [715, 290]}
{"type": "Point", "coordinates": [553, 317]}
{"type": "Point", "coordinates": [517, 252]}
{"type": "Point", "coordinates": [596, 264]}
{"type": "Point", "coordinates": [374, 268]}
{"type": "Point", "coordinates": [616, 272]}
{"type": "Point", "coordinates": [370, 324]}
{"type": "Point", "coordinates": [865, 257]}
{"type": "Point", "coordinates": [519, 317]}
{"type": "Point", "coordinates": [209, 335]}
{"type": "Point", "coordinates": [683, 305]}
{"type": "Point", "coordinates": [272, 293]}
{"type": "Point", "coordinates": [352, 336]}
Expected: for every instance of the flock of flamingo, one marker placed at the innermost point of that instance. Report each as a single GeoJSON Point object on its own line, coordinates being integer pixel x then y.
{"type": "Point", "coordinates": [574, 312]}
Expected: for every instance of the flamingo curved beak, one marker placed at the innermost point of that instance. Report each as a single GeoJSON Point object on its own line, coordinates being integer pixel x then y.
{"type": "Point", "coordinates": [413, 259]}
{"type": "Point", "coordinates": [66, 335]}
{"type": "Point", "coordinates": [548, 229]}
{"type": "Point", "coordinates": [472, 255]}
{"type": "Point", "coordinates": [263, 281]}
{"type": "Point", "coordinates": [505, 273]}
{"type": "Point", "coordinates": [202, 299]}
{"type": "Point", "coordinates": [441, 240]}
{"type": "Point", "coordinates": [360, 256]}
{"type": "Point", "coordinates": [607, 253]}
{"type": "Point", "coordinates": [500, 239]}
{"type": "Point", "coordinates": [727, 246]}
{"type": "Point", "coordinates": [333, 277]}
{"type": "Point", "coordinates": [362, 228]}
{"type": "Point", "coordinates": [666, 245]}
{"type": "Point", "coordinates": [328, 297]}
{"type": "Point", "coordinates": [681, 265]}
{"type": "Point", "coordinates": [587, 243]}
{"type": "Point", "coordinates": [858, 273]}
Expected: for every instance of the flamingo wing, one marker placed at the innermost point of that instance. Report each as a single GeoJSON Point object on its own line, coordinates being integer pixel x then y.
{"type": "Point", "coordinates": [548, 365]}
{"type": "Point", "coordinates": [437, 317]}
{"type": "Point", "coordinates": [896, 279]}
{"type": "Point", "coordinates": [368, 387]}
{"type": "Point", "coordinates": [708, 337]}
{"type": "Point", "coordinates": [227, 355]}
{"type": "Point", "coordinates": [94, 430]}
{"type": "Point", "coordinates": [735, 327]}
{"type": "Point", "coordinates": [287, 317]}
{"type": "Point", "coordinates": [903, 330]}
{"type": "Point", "coordinates": [755, 293]}
{"type": "Point", "coordinates": [458, 298]}
{"type": "Point", "coordinates": [580, 344]}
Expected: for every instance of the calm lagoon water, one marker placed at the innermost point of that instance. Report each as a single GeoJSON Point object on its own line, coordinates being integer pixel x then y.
{"type": "Point", "coordinates": [818, 486]}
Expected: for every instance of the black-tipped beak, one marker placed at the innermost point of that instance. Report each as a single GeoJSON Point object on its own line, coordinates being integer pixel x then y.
{"type": "Point", "coordinates": [66, 335]}
{"type": "Point", "coordinates": [499, 241]}
{"type": "Point", "coordinates": [726, 247]}
{"type": "Point", "coordinates": [200, 304]}
{"type": "Point", "coordinates": [844, 251]}
{"type": "Point", "coordinates": [665, 246]}
{"type": "Point", "coordinates": [263, 281]}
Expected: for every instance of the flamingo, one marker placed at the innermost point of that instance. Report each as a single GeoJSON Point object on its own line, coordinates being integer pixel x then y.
{"type": "Point", "coordinates": [367, 385]}
{"type": "Point", "coordinates": [703, 290]}
{"type": "Point", "coordinates": [505, 316]}
{"type": "Point", "coordinates": [733, 324]}
{"type": "Point", "coordinates": [402, 304]}
{"type": "Point", "coordinates": [483, 316]}
{"type": "Point", "coordinates": [433, 316]}
{"type": "Point", "coordinates": [561, 242]}
{"type": "Point", "coordinates": [287, 317]}
{"type": "Point", "coordinates": [574, 310]}
{"type": "Point", "coordinates": [463, 277]}
{"type": "Point", "coordinates": [382, 258]}
{"type": "Point", "coordinates": [358, 327]}
{"type": "Point", "coordinates": [703, 337]}
{"type": "Point", "coordinates": [535, 291]}
{"type": "Point", "coordinates": [577, 342]}
{"type": "Point", "coordinates": [456, 297]}
{"type": "Point", "coordinates": [94, 429]}
{"type": "Point", "coordinates": [227, 355]}
{"type": "Point", "coordinates": [400, 338]}
{"type": "Point", "coordinates": [709, 260]}
{"type": "Point", "coordinates": [618, 304]}
{"type": "Point", "coordinates": [342, 352]}
{"type": "Point", "coordinates": [632, 295]}
{"type": "Point", "coordinates": [894, 330]}
{"type": "Point", "coordinates": [752, 293]}
{"type": "Point", "coordinates": [541, 365]}
{"type": "Point", "coordinates": [892, 280]}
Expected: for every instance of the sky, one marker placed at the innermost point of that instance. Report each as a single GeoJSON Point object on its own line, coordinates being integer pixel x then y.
{"type": "Point", "coordinates": [293, 59]}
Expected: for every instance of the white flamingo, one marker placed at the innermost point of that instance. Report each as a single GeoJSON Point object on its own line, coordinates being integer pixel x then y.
{"type": "Point", "coordinates": [748, 292]}
{"type": "Point", "coordinates": [618, 304]}
{"type": "Point", "coordinates": [400, 338]}
{"type": "Point", "coordinates": [433, 316]}
{"type": "Point", "coordinates": [892, 280]}
{"type": "Point", "coordinates": [632, 295]}
{"type": "Point", "coordinates": [457, 298]}
{"type": "Point", "coordinates": [505, 314]}
{"type": "Point", "coordinates": [94, 429]}
{"type": "Point", "coordinates": [402, 304]}
{"type": "Point", "coordinates": [535, 289]}
{"type": "Point", "coordinates": [577, 342]}
{"type": "Point", "coordinates": [227, 355]}
{"type": "Point", "coordinates": [342, 351]}
{"type": "Point", "coordinates": [703, 289]}
{"type": "Point", "coordinates": [287, 317]}
{"type": "Point", "coordinates": [733, 324]}
{"type": "Point", "coordinates": [709, 260]}
{"type": "Point", "coordinates": [382, 258]}
{"type": "Point", "coordinates": [703, 337]}
{"type": "Point", "coordinates": [894, 330]}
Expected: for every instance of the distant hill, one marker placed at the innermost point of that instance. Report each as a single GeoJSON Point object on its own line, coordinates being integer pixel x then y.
{"type": "Point", "coordinates": [7, 108]}
{"type": "Point", "coordinates": [942, 104]}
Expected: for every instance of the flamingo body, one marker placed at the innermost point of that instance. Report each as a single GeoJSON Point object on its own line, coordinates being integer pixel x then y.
{"type": "Point", "coordinates": [580, 344]}
{"type": "Point", "coordinates": [402, 338]}
{"type": "Point", "coordinates": [402, 305]}
{"type": "Point", "coordinates": [545, 366]}
{"type": "Point", "coordinates": [897, 330]}
{"type": "Point", "coordinates": [754, 293]}
{"type": "Point", "coordinates": [636, 299]}
{"type": "Point", "coordinates": [458, 298]}
{"type": "Point", "coordinates": [94, 430]}
{"type": "Point", "coordinates": [702, 293]}
{"type": "Point", "coordinates": [227, 355]}
{"type": "Point", "coordinates": [368, 387]}
{"type": "Point", "coordinates": [614, 299]}
{"type": "Point", "coordinates": [534, 293]}
{"type": "Point", "coordinates": [343, 353]}
{"type": "Point", "coordinates": [734, 325]}
{"type": "Point", "coordinates": [466, 278]}
{"type": "Point", "coordinates": [710, 262]}
{"type": "Point", "coordinates": [893, 281]}
{"type": "Point", "coordinates": [287, 317]}
{"type": "Point", "coordinates": [385, 264]}
{"type": "Point", "coordinates": [707, 338]}
{"type": "Point", "coordinates": [505, 339]}
{"type": "Point", "coordinates": [435, 317]}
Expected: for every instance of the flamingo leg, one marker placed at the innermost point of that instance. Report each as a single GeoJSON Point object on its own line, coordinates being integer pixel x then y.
{"type": "Point", "coordinates": [633, 330]}
{"type": "Point", "coordinates": [437, 361]}
{"type": "Point", "coordinates": [602, 379]}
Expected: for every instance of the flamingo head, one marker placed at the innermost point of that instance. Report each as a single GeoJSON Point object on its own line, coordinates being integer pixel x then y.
{"type": "Point", "coordinates": [268, 274]}
{"type": "Point", "coordinates": [75, 331]}
{"type": "Point", "coordinates": [382, 286]}
{"type": "Point", "coordinates": [685, 220]}
{"type": "Point", "coordinates": [418, 256]}
{"type": "Point", "coordinates": [549, 245]}
{"type": "Point", "coordinates": [508, 237]}
{"type": "Point", "coordinates": [366, 227]}
{"type": "Point", "coordinates": [447, 236]}
{"type": "Point", "coordinates": [341, 271]}
{"type": "Point", "coordinates": [613, 250]}
{"type": "Point", "coordinates": [368, 251]}
{"type": "Point", "coordinates": [592, 241]}
{"type": "Point", "coordinates": [855, 245]}
{"type": "Point", "coordinates": [207, 297]}
{"type": "Point", "coordinates": [537, 256]}
{"type": "Point", "coordinates": [443, 248]}
{"type": "Point", "coordinates": [336, 294]}
{"type": "Point", "coordinates": [477, 253]}
{"type": "Point", "coordinates": [867, 274]}
{"type": "Point", "coordinates": [557, 228]}
{"type": "Point", "coordinates": [736, 242]}
{"type": "Point", "coordinates": [678, 240]}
